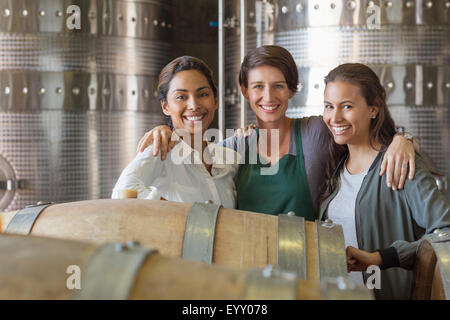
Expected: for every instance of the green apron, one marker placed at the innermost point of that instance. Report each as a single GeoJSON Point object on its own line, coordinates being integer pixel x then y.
{"type": "Point", "coordinates": [288, 190]}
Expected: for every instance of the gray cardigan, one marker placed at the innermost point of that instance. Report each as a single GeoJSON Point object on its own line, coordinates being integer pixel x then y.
{"type": "Point", "coordinates": [393, 222]}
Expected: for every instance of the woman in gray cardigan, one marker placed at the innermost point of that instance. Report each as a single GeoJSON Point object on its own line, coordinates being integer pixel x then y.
{"type": "Point", "coordinates": [381, 227]}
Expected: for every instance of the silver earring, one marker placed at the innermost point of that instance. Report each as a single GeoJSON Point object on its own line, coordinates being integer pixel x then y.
{"type": "Point", "coordinates": [373, 117]}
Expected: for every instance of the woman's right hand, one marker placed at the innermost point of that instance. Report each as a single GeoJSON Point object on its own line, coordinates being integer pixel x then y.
{"type": "Point", "coordinates": [160, 137]}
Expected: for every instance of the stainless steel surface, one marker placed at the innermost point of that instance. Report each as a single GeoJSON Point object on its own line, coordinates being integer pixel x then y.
{"type": "Point", "coordinates": [440, 242]}
{"type": "Point", "coordinates": [23, 221]}
{"type": "Point", "coordinates": [74, 103]}
{"type": "Point", "coordinates": [331, 248]}
{"type": "Point", "coordinates": [407, 45]}
{"type": "Point", "coordinates": [291, 242]}
{"type": "Point", "coordinates": [198, 243]}
{"type": "Point", "coordinates": [111, 272]}
{"type": "Point", "coordinates": [270, 284]}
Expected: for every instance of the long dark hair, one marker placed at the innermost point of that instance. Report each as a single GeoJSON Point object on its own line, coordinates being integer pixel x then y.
{"type": "Point", "coordinates": [382, 128]}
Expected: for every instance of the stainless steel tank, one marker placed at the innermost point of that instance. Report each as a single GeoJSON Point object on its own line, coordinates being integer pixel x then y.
{"type": "Point", "coordinates": [406, 42]}
{"type": "Point", "coordinates": [74, 102]}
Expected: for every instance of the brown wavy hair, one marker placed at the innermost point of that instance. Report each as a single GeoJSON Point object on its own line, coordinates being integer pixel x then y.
{"type": "Point", "coordinates": [382, 128]}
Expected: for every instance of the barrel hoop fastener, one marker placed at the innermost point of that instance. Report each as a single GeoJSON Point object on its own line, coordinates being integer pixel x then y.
{"type": "Point", "coordinates": [291, 242]}
{"type": "Point", "coordinates": [23, 221]}
{"type": "Point", "coordinates": [198, 242]}
{"type": "Point", "coordinates": [111, 271]}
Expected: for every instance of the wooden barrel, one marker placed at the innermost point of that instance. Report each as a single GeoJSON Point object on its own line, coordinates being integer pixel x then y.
{"type": "Point", "coordinates": [241, 239]}
{"type": "Point", "coordinates": [432, 267]}
{"type": "Point", "coordinates": [40, 268]}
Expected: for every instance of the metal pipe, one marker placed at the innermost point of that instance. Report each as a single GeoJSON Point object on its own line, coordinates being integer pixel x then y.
{"type": "Point", "coordinates": [221, 70]}
{"type": "Point", "coordinates": [243, 26]}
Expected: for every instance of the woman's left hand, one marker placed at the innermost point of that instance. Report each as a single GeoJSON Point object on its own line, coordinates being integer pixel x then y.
{"type": "Point", "coordinates": [395, 163]}
{"type": "Point", "coordinates": [360, 260]}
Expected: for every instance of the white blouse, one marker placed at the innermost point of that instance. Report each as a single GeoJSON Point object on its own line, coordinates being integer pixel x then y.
{"type": "Point", "coordinates": [178, 179]}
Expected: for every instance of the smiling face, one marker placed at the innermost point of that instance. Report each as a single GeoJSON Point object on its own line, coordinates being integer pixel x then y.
{"type": "Point", "coordinates": [347, 114]}
{"type": "Point", "coordinates": [267, 93]}
{"type": "Point", "coordinates": [190, 100]}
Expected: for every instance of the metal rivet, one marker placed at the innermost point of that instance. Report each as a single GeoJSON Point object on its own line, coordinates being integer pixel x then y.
{"type": "Point", "coordinates": [429, 4]}
{"type": "Point", "coordinates": [6, 13]}
{"type": "Point", "coordinates": [409, 4]}
{"type": "Point", "coordinates": [284, 9]}
{"type": "Point", "coordinates": [133, 92]}
{"type": "Point", "coordinates": [42, 13]}
{"type": "Point", "coordinates": [351, 4]}
{"type": "Point", "coordinates": [58, 90]}
{"type": "Point", "coordinates": [430, 85]}
{"type": "Point", "coordinates": [316, 6]}
{"type": "Point", "coordinates": [163, 24]}
{"type": "Point", "coordinates": [106, 92]}
{"type": "Point", "coordinates": [7, 90]}
{"type": "Point", "coordinates": [332, 6]}
{"type": "Point", "coordinates": [25, 90]}
{"type": "Point", "coordinates": [92, 90]}
{"type": "Point", "coordinates": [447, 4]}
{"type": "Point", "coordinates": [299, 7]}
{"type": "Point", "coordinates": [58, 13]}
{"type": "Point", "coordinates": [291, 213]}
{"type": "Point", "coordinates": [155, 22]}
{"type": "Point", "coordinates": [42, 91]}
{"type": "Point", "coordinates": [133, 19]}
{"type": "Point", "coordinates": [390, 84]}
{"type": "Point", "coordinates": [447, 85]}
{"type": "Point", "coordinates": [24, 12]}
{"type": "Point", "coordinates": [389, 4]}
{"type": "Point", "coordinates": [145, 20]}
{"type": "Point", "coordinates": [409, 85]}
{"type": "Point", "coordinates": [76, 91]}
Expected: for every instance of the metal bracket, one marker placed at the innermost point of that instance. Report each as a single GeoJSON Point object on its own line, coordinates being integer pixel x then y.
{"type": "Point", "coordinates": [198, 243]}
{"type": "Point", "coordinates": [111, 272]}
{"type": "Point", "coordinates": [23, 221]}
{"type": "Point", "coordinates": [291, 253]}
{"type": "Point", "coordinates": [270, 284]}
{"type": "Point", "coordinates": [331, 248]}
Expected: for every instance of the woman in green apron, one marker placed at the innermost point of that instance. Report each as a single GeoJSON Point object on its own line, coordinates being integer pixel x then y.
{"type": "Point", "coordinates": [296, 149]}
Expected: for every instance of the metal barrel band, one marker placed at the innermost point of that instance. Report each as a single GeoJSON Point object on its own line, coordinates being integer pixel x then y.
{"type": "Point", "coordinates": [111, 272]}
{"type": "Point", "coordinates": [269, 284]}
{"type": "Point", "coordinates": [331, 248]}
{"type": "Point", "coordinates": [198, 243]}
{"type": "Point", "coordinates": [23, 221]}
{"type": "Point", "coordinates": [291, 253]}
{"type": "Point", "coordinates": [440, 241]}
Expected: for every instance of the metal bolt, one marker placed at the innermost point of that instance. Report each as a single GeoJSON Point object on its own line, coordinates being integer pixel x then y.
{"type": "Point", "coordinates": [41, 91]}
{"type": "Point", "coordinates": [6, 13]}
{"type": "Point", "coordinates": [409, 4]}
{"type": "Point", "coordinates": [429, 4]}
{"type": "Point", "coordinates": [7, 90]}
{"type": "Point", "coordinates": [268, 271]}
{"type": "Point", "coordinates": [119, 247]}
{"type": "Point", "coordinates": [430, 85]}
{"type": "Point", "coordinates": [351, 5]}
{"type": "Point", "coordinates": [299, 7]}
{"type": "Point", "coordinates": [291, 213]}
{"type": "Point", "coordinates": [76, 91]}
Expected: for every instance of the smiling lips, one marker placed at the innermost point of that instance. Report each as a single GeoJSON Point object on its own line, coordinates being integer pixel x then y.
{"type": "Point", "coordinates": [269, 108]}
{"type": "Point", "coordinates": [194, 117]}
{"type": "Point", "coordinates": [339, 130]}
